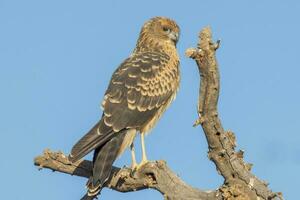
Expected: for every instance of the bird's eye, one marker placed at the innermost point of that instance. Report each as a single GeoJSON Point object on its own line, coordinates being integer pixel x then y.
{"type": "Point", "coordinates": [166, 29]}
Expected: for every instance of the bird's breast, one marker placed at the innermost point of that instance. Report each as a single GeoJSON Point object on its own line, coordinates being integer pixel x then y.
{"type": "Point", "coordinates": [169, 82]}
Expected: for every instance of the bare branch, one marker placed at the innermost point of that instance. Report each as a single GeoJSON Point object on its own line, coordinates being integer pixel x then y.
{"type": "Point", "coordinates": [155, 175]}
{"type": "Point", "coordinates": [239, 183]}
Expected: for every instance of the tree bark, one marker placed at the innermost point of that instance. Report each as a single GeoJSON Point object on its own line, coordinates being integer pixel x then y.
{"type": "Point", "coordinates": [239, 182]}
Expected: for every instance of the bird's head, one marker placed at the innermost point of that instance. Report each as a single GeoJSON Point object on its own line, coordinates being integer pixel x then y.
{"type": "Point", "coordinates": [160, 30]}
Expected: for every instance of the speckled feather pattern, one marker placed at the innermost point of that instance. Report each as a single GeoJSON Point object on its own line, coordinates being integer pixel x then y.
{"type": "Point", "coordinates": [139, 88]}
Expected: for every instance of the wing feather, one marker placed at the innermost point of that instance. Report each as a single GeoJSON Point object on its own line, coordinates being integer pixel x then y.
{"type": "Point", "coordinates": [90, 141]}
{"type": "Point", "coordinates": [142, 81]}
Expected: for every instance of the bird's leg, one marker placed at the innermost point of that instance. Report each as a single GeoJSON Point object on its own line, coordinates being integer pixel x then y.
{"type": "Point", "coordinates": [144, 156]}
{"type": "Point", "coordinates": [134, 163]}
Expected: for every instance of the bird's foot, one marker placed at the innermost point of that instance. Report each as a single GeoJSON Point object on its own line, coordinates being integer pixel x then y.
{"type": "Point", "coordinates": [141, 164]}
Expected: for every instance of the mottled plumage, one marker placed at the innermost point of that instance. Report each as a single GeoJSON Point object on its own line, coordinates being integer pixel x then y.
{"type": "Point", "coordinates": [140, 90]}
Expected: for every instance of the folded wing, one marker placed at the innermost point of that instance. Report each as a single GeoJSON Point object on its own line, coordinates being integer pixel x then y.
{"type": "Point", "coordinates": [139, 87]}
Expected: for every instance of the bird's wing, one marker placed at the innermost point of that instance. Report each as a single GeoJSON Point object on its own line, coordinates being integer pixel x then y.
{"type": "Point", "coordinates": [137, 90]}
{"type": "Point", "coordinates": [139, 87]}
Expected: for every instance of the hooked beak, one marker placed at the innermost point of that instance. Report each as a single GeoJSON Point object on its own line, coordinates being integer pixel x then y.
{"type": "Point", "coordinates": [174, 37]}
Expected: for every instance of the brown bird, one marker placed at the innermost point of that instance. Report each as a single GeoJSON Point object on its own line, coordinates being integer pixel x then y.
{"type": "Point", "coordinates": [139, 92]}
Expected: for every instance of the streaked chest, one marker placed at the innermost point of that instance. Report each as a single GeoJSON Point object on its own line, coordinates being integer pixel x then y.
{"type": "Point", "coordinates": [171, 77]}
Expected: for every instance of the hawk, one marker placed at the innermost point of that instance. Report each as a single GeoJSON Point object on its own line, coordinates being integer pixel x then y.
{"type": "Point", "coordinates": [139, 92]}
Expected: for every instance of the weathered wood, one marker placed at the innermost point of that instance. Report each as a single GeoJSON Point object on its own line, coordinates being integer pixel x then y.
{"type": "Point", "coordinates": [239, 182]}
{"type": "Point", "coordinates": [155, 175]}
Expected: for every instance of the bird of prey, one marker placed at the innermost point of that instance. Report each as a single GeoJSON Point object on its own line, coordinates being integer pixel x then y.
{"type": "Point", "coordinates": [139, 92]}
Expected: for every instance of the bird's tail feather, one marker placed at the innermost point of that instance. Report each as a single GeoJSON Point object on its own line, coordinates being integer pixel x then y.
{"type": "Point", "coordinates": [103, 160]}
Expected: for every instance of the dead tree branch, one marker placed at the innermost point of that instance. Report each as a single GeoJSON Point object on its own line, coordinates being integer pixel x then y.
{"type": "Point", "coordinates": [239, 182]}
{"type": "Point", "coordinates": [155, 175]}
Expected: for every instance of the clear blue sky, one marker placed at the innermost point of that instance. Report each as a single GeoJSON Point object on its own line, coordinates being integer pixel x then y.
{"type": "Point", "coordinates": [56, 58]}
